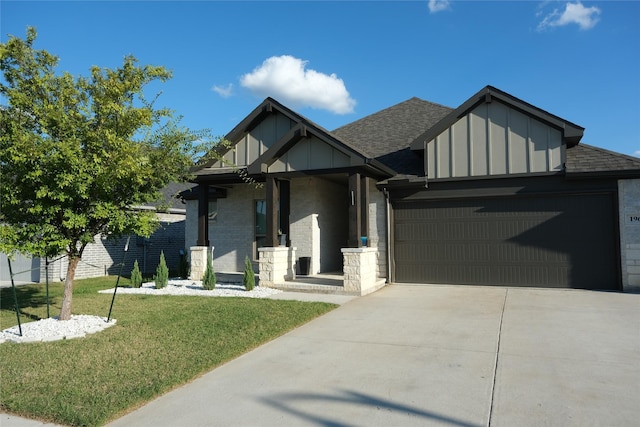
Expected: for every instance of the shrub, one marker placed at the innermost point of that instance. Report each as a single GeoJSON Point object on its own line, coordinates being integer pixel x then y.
{"type": "Point", "coordinates": [162, 273]}
{"type": "Point", "coordinates": [136, 276]}
{"type": "Point", "coordinates": [249, 278]}
{"type": "Point", "coordinates": [209, 278]}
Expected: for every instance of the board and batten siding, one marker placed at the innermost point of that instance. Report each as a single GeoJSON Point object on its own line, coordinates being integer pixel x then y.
{"type": "Point", "coordinates": [494, 139]}
{"type": "Point", "coordinates": [310, 154]}
{"type": "Point", "coordinates": [256, 141]}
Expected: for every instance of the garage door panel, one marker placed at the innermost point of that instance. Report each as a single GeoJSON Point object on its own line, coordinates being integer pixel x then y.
{"type": "Point", "coordinates": [549, 241]}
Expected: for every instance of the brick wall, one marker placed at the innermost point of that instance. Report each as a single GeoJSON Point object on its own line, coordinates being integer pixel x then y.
{"type": "Point", "coordinates": [232, 232]}
{"type": "Point", "coordinates": [629, 199]}
{"type": "Point", "coordinates": [378, 228]}
{"type": "Point", "coordinates": [319, 222]}
{"type": "Point", "coordinates": [104, 256]}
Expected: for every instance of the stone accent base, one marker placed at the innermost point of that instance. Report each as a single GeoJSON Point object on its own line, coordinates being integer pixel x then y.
{"type": "Point", "coordinates": [198, 261]}
{"type": "Point", "coordinates": [276, 265]}
{"type": "Point", "coordinates": [360, 270]}
{"type": "Point", "coordinates": [632, 268]}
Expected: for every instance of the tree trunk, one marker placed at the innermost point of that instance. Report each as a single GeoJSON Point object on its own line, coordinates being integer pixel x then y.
{"type": "Point", "coordinates": [67, 297]}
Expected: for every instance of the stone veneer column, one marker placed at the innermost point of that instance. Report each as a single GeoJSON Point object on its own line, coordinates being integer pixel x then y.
{"type": "Point", "coordinates": [276, 265]}
{"type": "Point", "coordinates": [198, 261]}
{"type": "Point", "coordinates": [360, 270]}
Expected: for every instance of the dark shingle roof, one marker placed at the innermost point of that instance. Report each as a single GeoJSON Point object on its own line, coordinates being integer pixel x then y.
{"type": "Point", "coordinates": [584, 158]}
{"type": "Point", "coordinates": [387, 134]}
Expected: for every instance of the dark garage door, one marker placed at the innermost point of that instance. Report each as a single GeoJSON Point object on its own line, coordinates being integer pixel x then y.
{"type": "Point", "coordinates": [566, 241]}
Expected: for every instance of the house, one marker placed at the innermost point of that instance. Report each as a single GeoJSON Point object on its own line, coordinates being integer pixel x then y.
{"type": "Point", "coordinates": [494, 192]}
{"type": "Point", "coordinates": [105, 256]}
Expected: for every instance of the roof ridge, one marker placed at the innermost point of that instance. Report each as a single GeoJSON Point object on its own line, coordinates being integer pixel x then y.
{"type": "Point", "coordinates": [394, 106]}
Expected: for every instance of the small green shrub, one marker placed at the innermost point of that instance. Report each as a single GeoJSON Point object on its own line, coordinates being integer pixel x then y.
{"type": "Point", "coordinates": [209, 278]}
{"type": "Point", "coordinates": [162, 273]}
{"type": "Point", "coordinates": [136, 276]}
{"type": "Point", "coordinates": [249, 278]}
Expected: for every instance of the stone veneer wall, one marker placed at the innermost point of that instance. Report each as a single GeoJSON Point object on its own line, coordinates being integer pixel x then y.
{"type": "Point", "coordinates": [629, 202]}
{"type": "Point", "coordinates": [360, 276]}
{"type": "Point", "coordinates": [276, 265]}
{"type": "Point", "coordinates": [103, 257]}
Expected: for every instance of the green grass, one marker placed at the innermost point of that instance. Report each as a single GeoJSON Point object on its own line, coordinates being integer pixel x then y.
{"type": "Point", "coordinates": [158, 343]}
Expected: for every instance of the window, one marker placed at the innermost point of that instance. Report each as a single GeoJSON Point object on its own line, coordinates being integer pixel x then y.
{"type": "Point", "coordinates": [213, 210]}
{"type": "Point", "coordinates": [261, 225]}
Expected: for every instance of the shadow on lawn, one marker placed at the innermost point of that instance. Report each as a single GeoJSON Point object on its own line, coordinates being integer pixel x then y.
{"type": "Point", "coordinates": [29, 297]}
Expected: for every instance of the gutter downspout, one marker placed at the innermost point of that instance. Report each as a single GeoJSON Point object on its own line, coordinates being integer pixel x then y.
{"type": "Point", "coordinates": [388, 232]}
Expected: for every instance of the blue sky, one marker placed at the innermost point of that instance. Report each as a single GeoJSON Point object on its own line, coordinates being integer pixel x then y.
{"type": "Point", "coordinates": [335, 62]}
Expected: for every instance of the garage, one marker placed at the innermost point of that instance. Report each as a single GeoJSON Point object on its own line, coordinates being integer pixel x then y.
{"type": "Point", "coordinates": [559, 241]}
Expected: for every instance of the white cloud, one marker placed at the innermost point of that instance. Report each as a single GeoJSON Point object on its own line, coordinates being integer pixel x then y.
{"type": "Point", "coordinates": [223, 91]}
{"type": "Point", "coordinates": [438, 5]}
{"type": "Point", "coordinates": [288, 80]}
{"type": "Point", "coordinates": [574, 13]}
{"type": "Point", "coordinates": [636, 153]}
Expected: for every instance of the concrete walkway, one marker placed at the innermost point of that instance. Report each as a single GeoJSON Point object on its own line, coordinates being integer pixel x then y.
{"type": "Point", "coordinates": [430, 355]}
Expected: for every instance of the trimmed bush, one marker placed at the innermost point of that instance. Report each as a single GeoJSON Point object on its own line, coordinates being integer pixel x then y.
{"type": "Point", "coordinates": [162, 273]}
{"type": "Point", "coordinates": [209, 278]}
{"type": "Point", "coordinates": [136, 276]}
{"type": "Point", "coordinates": [249, 278]}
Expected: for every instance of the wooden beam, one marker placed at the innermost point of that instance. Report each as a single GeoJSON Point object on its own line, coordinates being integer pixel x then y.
{"type": "Point", "coordinates": [272, 212]}
{"type": "Point", "coordinates": [262, 163]}
{"type": "Point", "coordinates": [285, 210]}
{"type": "Point", "coordinates": [355, 211]}
{"type": "Point", "coordinates": [203, 215]}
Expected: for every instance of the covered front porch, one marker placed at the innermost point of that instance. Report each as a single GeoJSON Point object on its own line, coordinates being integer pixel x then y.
{"type": "Point", "coordinates": [286, 190]}
{"type": "Point", "coordinates": [322, 223]}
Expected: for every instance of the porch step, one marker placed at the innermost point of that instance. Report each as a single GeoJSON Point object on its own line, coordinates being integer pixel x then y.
{"type": "Point", "coordinates": [315, 288]}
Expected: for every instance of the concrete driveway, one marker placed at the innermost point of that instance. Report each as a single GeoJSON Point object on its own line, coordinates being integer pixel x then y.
{"type": "Point", "coordinates": [431, 355]}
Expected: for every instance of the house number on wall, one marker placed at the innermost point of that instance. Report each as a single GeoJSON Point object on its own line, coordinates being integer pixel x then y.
{"type": "Point", "coordinates": [633, 219]}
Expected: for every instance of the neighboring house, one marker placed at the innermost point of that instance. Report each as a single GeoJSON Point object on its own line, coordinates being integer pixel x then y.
{"type": "Point", "coordinates": [494, 192]}
{"type": "Point", "coordinates": [104, 256]}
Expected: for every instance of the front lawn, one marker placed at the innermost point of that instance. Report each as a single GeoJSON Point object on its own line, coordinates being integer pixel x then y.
{"type": "Point", "coordinates": [158, 343]}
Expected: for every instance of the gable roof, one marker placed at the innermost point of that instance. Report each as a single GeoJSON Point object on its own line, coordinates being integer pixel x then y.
{"type": "Point", "coordinates": [572, 133]}
{"type": "Point", "coordinates": [390, 141]}
{"type": "Point", "coordinates": [303, 127]}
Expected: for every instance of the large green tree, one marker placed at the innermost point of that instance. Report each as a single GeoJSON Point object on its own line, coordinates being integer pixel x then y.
{"type": "Point", "coordinates": [76, 153]}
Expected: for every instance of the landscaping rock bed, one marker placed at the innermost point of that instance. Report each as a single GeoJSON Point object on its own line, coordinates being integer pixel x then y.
{"type": "Point", "coordinates": [191, 287]}
{"type": "Point", "coordinates": [53, 329]}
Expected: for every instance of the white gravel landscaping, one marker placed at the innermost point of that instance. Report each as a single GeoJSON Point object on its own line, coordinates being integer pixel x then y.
{"type": "Point", "coordinates": [53, 329]}
{"type": "Point", "coordinates": [80, 325]}
{"type": "Point", "coordinates": [194, 287]}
